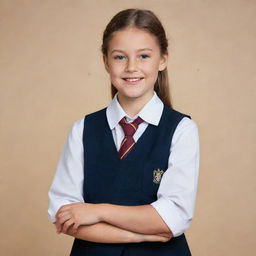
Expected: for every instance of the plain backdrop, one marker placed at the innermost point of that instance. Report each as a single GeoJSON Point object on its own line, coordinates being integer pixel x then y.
{"type": "Point", "coordinates": [52, 75]}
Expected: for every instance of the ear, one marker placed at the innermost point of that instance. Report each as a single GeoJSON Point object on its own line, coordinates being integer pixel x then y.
{"type": "Point", "coordinates": [105, 60]}
{"type": "Point", "coordinates": [163, 62]}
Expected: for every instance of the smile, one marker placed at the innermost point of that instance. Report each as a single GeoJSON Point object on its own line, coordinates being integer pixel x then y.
{"type": "Point", "coordinates": [135, 79]}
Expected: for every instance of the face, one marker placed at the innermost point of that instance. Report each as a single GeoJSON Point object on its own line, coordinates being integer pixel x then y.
{"type": "Point", "coordinates": [133, 62]}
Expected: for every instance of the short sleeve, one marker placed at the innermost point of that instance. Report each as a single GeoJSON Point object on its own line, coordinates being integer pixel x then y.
{"type": "Point", "coordinates": [67, 185]}
{"type": "Point", "coordinates": [177, 191]}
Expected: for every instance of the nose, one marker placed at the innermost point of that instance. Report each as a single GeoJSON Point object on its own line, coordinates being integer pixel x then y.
{"type": "Point", "coordinates": [131, 65]}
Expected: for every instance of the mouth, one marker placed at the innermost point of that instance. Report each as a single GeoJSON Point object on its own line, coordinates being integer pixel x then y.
{"type": "Point", "coordinates": [133, 79]}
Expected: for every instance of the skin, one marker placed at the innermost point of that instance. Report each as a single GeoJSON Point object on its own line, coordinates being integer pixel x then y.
{"type": "Point", "coordinates": [108, 223]}
{"type": "Point", "coordinates": [132, 53]}
{"type": "Point", "coordinates": [106, 233]}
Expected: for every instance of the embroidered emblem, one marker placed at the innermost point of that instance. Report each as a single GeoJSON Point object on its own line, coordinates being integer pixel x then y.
{"type": "Point", "coordinates": [157, 175]}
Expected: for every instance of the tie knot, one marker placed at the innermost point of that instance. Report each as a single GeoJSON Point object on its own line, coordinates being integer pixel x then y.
{"type": "Point", "coordinates": [130, 128]}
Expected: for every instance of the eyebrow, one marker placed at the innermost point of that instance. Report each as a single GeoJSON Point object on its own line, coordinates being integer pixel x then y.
{"type": "Point", "coordinates": [140, 50]}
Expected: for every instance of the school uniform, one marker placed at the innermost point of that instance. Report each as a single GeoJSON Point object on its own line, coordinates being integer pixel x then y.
{"type": "Point", "coordinates": [161, 170]}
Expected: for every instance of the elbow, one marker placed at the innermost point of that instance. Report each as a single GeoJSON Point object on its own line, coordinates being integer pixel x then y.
{"type": "Point", "coordinates": [182, 228]}
{"type": "Point", "coordinates": [167, 231]}
{"type": "Point", "coordinates": [169, 236]}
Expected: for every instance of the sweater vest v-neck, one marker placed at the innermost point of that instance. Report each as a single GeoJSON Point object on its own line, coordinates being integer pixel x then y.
{"type": "Point", "coordinates": [132, 181]}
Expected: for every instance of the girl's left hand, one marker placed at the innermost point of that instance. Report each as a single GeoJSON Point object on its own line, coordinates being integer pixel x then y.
{"type": "Point", "coordinates": [76, 214]}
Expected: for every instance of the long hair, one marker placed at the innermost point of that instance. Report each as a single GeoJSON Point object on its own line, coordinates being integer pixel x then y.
{"type": "Point", "coordinates": [146, 20]}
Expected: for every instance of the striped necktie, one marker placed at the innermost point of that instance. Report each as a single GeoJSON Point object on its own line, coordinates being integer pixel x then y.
{"type": "Point", "coordinates": [128, 141]}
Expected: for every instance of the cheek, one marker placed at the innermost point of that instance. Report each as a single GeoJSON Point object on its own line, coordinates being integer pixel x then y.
{"type": "Point", "coordinates": [115, 70]}
{"type": "Point", "coordinates": [152, 69]}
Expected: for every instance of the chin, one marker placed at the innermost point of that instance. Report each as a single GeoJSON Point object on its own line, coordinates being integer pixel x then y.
{"type": "Point", "coordinates": [132, 94]}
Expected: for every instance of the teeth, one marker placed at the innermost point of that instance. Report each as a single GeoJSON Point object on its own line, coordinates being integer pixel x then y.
{"type": "Point", "coordinates": [132, 79]}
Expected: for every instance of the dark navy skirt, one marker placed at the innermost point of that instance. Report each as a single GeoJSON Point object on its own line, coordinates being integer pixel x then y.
{"type": "Point", "coordinates": [177, 246]}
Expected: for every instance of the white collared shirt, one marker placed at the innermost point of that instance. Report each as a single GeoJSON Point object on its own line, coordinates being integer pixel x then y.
{"type": "Point", "coordinates": [177, 191]}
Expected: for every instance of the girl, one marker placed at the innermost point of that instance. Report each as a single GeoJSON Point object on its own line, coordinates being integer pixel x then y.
{"type": "Point", "coordinates": [127, 179]}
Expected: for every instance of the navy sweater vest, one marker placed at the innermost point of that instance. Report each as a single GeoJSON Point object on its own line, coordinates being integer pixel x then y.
{"type": "Point", "coordinates": [131, 181]}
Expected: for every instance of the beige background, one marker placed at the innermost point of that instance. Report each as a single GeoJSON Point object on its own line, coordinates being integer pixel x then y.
{"type": "Point", "coordinates": [52, 74]}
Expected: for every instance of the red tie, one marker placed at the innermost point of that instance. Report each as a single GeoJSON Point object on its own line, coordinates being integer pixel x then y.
{"type": "Point", "coordinates": [128, 141]}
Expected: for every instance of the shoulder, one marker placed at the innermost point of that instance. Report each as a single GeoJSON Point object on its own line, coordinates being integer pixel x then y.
{"type": "Point", "coordinates": [77, 127]}
{"type": "Point", "coordinates": [173, 113]}
{"type": "Point", "coordinates": [176, 117]}
{"type": "Point", "coordinates": [97, 114]}
{"type": "Point", "coordinates": [185, 124]}
{"type": "Point", "coordinates": [186, 130]}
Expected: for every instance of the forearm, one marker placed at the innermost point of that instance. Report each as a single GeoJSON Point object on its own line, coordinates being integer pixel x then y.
{"type": "Point", "coordinates": [107, 233]}
{"type": "Point", "coordinates": [142, 219]}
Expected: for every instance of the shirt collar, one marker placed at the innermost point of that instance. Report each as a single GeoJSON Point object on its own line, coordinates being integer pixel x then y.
{"type": "Point", "coordinates": [150, 113]}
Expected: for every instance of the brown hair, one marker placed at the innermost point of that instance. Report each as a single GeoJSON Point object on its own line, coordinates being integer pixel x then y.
{"type": "Point", "coordinates": [146, 20]}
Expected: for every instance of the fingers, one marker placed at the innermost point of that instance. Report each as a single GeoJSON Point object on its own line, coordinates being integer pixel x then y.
{"type": "Point", "coordinates": [67, 225]}
{"type": "Point", "coordinates": [63, 208]}
{"type": "Point", "coordinates": [61, 218]}
{"type": "Point", "coordinates": [67, 216]}
{"type": "Point", "coordinates": [75, 227]}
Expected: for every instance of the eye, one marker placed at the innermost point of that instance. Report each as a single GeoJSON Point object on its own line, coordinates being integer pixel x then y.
{"type": "Point", "coordinates": [144, 56]}
{"type": "Point", "coordinates": [119, 57]}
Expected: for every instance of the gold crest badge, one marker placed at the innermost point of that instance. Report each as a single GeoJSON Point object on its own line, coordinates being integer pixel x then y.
{"type": "Point", "coordinates": [157, 175]}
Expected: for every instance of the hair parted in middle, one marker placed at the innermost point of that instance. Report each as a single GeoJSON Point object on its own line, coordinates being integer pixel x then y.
{"type": "Point", "coordinates": [147, 21]}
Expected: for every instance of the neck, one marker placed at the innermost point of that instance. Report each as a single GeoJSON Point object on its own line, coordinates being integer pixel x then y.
{"type": "Point", "coordinates": [132, 106]}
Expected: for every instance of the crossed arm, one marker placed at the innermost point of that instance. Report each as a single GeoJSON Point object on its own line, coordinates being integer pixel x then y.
{"type": "Point", "coordinates": [108, 223]}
